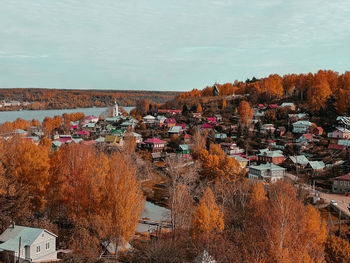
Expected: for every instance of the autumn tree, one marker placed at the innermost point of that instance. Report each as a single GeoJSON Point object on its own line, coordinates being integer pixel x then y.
{"type": "Point", "coordinates": [337, 250]}
{"type": "Point", "coordinates": [207, 217]}
{"type": "Point", "coordinates": [318, 94]}
{"type": "Point", "coordinates": [245, 112]}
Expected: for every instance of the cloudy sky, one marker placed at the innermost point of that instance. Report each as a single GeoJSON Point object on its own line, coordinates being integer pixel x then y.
{"type": "Point", "coordinates": [167, 44]}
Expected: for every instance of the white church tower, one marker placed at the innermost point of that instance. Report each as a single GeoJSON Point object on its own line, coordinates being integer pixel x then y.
{"type": "Point", "coordinates": [115, 110]}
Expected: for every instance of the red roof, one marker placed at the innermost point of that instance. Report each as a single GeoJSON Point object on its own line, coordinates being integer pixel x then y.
{"type": "Point", "coordinates": [261, 105]}
{"type": "Point", "coordinates": [83, 133]}
{"type": "Point", "coordinates": [170, 121]}
{"type": "Point", "coordinates": [273, 106]}
{"type": "Point", "coordinates": [308, 136]}
{"type": "Point", "coordinates": [88, 142]}
{"type": "Point", "coordinates": [154, 140]}
{"type": "Point", "coordinates": [90, 117]}
{"type": "Point", "coordinates": [336, 147]}
{"type": "Point", "coordinates": [74, 126]}
{"type": "Point", "coordinates": [206, 125]}
{"type": "Point", "coordinates": [187, 136]}
{"type": "Point", "coordinates": [344, 177]}
{"type": "Point", "coordinates": [64, 139]}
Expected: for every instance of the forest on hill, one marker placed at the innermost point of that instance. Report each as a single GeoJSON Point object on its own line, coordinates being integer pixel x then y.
{"type": "Point", "coordinates": [64, 98]}
{"type": "Point", "coordinates": [326, 91]}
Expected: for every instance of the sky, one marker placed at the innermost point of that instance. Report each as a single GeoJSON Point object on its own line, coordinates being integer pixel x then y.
{"type": "Point", "coordinates": [165, 44]}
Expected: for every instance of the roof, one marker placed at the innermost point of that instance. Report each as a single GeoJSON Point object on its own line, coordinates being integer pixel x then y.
{"type": "Point", "coordinates": [240, 158]}
{"type": "Point", "coordinates": [100, 139]}
{"type": "Point", "coordinates": [154, 140]}
{"type": "Point", "coordinates": [83, 133]}
{"type": "Point", "coordinates": [187, 136]}
{"type": "Point", "coordinates": [206, 125]}
{"type": "Point", "coordinates": [300, 159]}
{"type": "Point", "coordinates": [19, 131]}
{"type": "Point", "coordinates": [28, 235]}
{"type": "Point", "coordinates": [272, 154]}
{"type": "Point", "coordinates": [307, 136]}
{"type": "Point", "coordinates": [175, 129]}
{"type": "Point", "coordinates": [344, 177]}
{"type": "Point", "coordinates": [306, 123]}
{"type": "Point", "coordinates": [220, 136]}
{"type": "Point", "coordinates": [344, 142]}
{"type": "Point", "coordinates": [342, 129]}
{"type": "Point", "coordinates": [186, 147]}
{"type": "Point", "coordinates": [170, 121]}
{"type": "Point", "coordinates": [89, 125]}
{"type": "Point", "coordinates": [287, 104]}
{"type": "Point", "coordinates": [317, 165]}
{"type": "Point", "coordinates": [267, 166]}
{"type": "Point", "coordinates": [150, 117]}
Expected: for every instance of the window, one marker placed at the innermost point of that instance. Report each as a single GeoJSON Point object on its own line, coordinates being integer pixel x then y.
{"type": "Point", "coordinates": [47, 245]}
{"type": "Point", "coordinates": [38, 249]}
{"type": "Point", "coordinates": [335, 182]}
{"type": "Point", "coordinates": [341, 182]}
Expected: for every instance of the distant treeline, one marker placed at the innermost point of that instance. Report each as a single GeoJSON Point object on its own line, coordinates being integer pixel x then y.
{"type": "Point", "coordinates": [326, 91]}
{"type": "Point", "coordinates": [64, 98]}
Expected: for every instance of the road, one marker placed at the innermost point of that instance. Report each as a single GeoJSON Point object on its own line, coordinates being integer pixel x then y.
{"type": "Point", "coordinates": [343, 202]}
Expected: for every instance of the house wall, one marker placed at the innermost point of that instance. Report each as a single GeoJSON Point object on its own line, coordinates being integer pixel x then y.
{"type": "Point", "coordinates": [341, 186]}
{"type": "Point", "coordinates": [41, 241]}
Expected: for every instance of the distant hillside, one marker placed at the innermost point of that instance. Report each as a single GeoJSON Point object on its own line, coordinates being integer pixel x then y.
{"type": "Point", "coordinates": [63, 98]}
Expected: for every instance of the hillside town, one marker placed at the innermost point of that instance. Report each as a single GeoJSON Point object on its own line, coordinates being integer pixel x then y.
{"type": "Point", "coordinates": [265, 143]}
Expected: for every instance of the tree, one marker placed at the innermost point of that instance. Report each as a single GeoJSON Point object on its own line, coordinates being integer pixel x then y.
{"type": "Point", "coordinates": [207, 217]}
{"type": "Point", "coordinates": [318, 94]}
{"type": "Point", "coordinates": [245, 112]}
{"type": "Point", "coordinates": [337, 250]}
{"type": "Point", "coordinates": [123, 200]}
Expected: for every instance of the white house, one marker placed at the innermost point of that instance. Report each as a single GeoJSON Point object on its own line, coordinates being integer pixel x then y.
{"type": "Point", "coordinates": [266, 173]}
{"type": "Point", "coordinates": [34, 244]}
{"type": "Point", "coordinates": [301, 126]}
{"type": "Point", "coordinates": [149, 119]}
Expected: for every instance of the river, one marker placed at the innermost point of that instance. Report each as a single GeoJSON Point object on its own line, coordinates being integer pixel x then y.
{"type": "Point", "coordinates": [41, 114]}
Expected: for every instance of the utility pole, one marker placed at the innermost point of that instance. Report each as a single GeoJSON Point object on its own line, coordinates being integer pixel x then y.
{"type": "Point", "coordinates": [19, 249]}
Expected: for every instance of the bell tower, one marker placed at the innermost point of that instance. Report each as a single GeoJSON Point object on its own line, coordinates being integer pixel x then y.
{"type": "Point", "coordinates": [115, 110]}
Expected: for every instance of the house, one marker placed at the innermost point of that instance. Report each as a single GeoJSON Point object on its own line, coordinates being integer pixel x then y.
{"type": "Point", "coordinates": [160, 119]}
{"type": "Point", "coordinates": [138, 137]}
{"type": "Point", "coordinates": [127, 124]}
{"type": "Point", "coordinates": [305, 138]}
{"type": "Point", "coordinates": [220, 136]}
{"type": "Point", "coordinates": [33, 244]}
{"type": "Point", "coordinates": [301, 126]}
{"type": "Point", "coordinates": [273, 106]}
{"type": "Point", "coordinates": [207, 126]}
{"type": "Point", "coordinates": [211, 120]}
{"type": "Point", "coordinates": [231, 149]}
{"type": "Point", "coordinates": [343, 121]}
{"type": "Point", "coordinates": [266, 173]}
{"type": "Point", "coordinates": [175, 130]}
{"type": "Point", "coordinates": [114, 140]}
{"type": "Point", "coordinates": [241, 160]}
{"type": "Point", "coordinates": [299, 160]}
{"type": "Point", "coordinates": [169, 111]}
{"type": "Point", "coordinates": [20, 132]}
{"type": "Point", "coordinates": [154, 144]}
{"type": "Point", "coordinates": [149, 119]}
{"type": "Point", "coordinates": [340, 133]}
{"type": "Point", "coordinates": [91, 118]}
{"type": "Point", "coordinates": [341, 184]}
{"type": "Point", "coordinates": [267, 128]}
{"type": "Point", "coordinates": [275, 157]}
{"type": "Point", "coordinates": [298, 117]}
{"type": "Point", "coordinates": [170, 122]}
{"type": "Point", "coordinates": [315, 166]}
{"type": "Point", "coordinates": [187, 138]}
{"type": "Point", "coordinates": [289, 105]}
